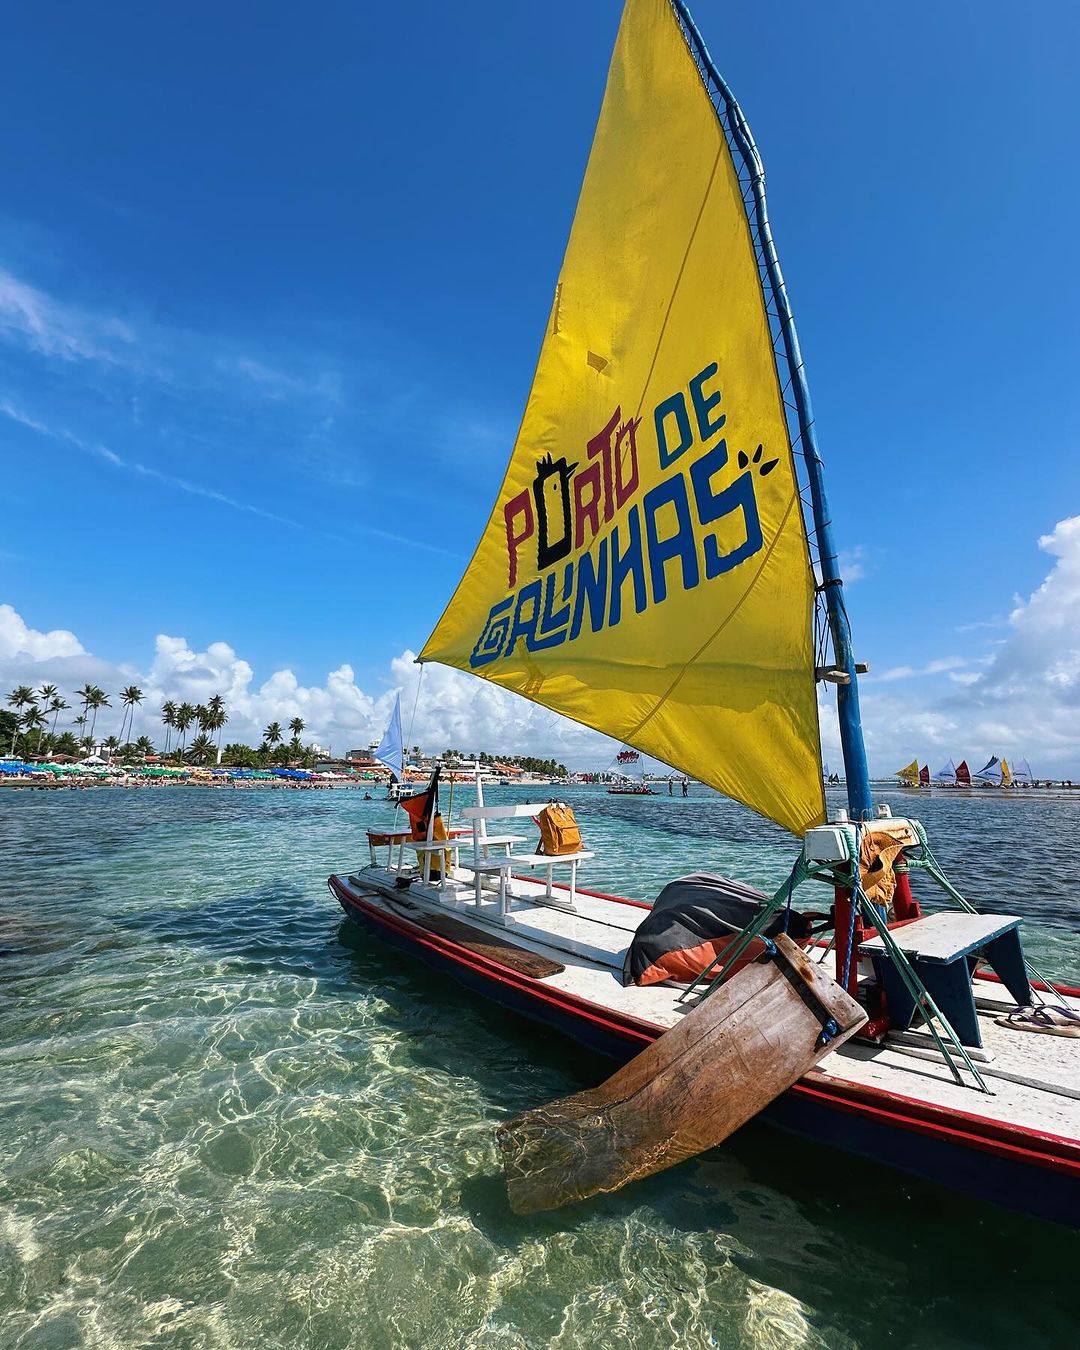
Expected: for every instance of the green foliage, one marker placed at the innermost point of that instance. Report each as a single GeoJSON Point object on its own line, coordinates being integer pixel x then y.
{"type": "Point", "coordinates": [239, 756]}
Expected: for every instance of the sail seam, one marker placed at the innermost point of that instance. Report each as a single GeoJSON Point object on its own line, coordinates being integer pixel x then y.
{"type": "Point", "coordinates": [679, 277]}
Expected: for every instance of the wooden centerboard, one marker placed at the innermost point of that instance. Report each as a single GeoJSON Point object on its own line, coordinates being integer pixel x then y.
{"type": "Point", "coordinates": [740, 1048]}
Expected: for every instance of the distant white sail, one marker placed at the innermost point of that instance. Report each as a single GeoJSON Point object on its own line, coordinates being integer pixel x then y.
{"type": "Point", "coordinates": [825, 771]}
{"type": "Point", "coordinates": [390, 747]}
{"type": "Point", "coordinates": [990, 771]}
{"type": "Point", "coordinates": [1021, 771]}
{"type": "Point", "coordinates": [946, 774]}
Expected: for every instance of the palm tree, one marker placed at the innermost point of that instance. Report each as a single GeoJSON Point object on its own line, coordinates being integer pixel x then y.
{"type": "Point", "coordinates": [39, 721]}
{"type": "Point", "coordinates": [185, 715]}
{"type": "Point", "coordinates": [130, 698]}
{"type": "Point", "coordinates": [85, 695]}
{"type": "Point", "coordinates": [168, 716]}
{"type": "Point", "coordinates": [144, 746]}
{"type": "Point", "coordinates": [217, 717]}
{"type": "Point", "coordinates": [65, 744]}
{"type": "Point", "coordinates": [201, 748]}
{"type": "Point", "coordinates": [272, 734]}
{"type": "Point", "coordinates": [98, 700]}
{"type": "Point", "coordinates": [19, 697]}
{"type": "Point", "coordinates": [296, 726]}
{"type": "Point", "coordinates": [56, 707]}
{"type": "Point", "coordinates": [47, 693]}
{"type": "Point", "coordinates": [112, 744]}
{"type": "Point", "coordinates": [33, 719]}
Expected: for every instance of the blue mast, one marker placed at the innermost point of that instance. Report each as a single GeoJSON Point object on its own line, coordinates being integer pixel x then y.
{"type": "Point", "coordinates": [860, 798]}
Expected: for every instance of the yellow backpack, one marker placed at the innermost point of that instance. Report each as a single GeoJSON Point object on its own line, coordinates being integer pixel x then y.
{"type": "Point", "coordinates": [559, 831]}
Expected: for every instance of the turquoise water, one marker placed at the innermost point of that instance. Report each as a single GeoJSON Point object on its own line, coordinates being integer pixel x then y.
{"type": "Point", "coordinates": [229, 1120]}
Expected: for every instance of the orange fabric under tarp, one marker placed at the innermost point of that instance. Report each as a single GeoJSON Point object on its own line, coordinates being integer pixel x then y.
{"type": "Point", "coordinates": [881, 844]}
{"type": "Point", "coordinates": [686, 963]}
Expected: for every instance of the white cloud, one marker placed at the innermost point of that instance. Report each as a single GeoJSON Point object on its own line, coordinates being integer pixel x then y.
{"type": "Point", "coordinates": [1024, 700]}
{"type": "Point", "coordinates": [53, 328]}
{"type": "Point", "coordinates": [853, 564]}
{"type": "Point", "coordinates": [935, 667]}
{"type": "Point", "coordinates": [18, 641]}
{"type": "Point", "coordinates": [453, 710]}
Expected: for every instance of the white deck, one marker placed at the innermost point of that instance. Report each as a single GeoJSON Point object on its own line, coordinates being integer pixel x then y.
{"type": "Point", "coordinates": [1035, 1079]}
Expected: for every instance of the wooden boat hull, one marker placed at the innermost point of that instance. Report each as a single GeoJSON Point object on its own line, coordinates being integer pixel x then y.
{"type": "Point", "coordinates": [1023, 1170]}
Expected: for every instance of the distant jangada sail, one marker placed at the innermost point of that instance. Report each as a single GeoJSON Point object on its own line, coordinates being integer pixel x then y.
{"type": "Point", "coordinates": [1006, 776]}
{"type": "Point", "coordinates": [645, 568]}
{"type": "Point", "coordinates": [1021, 771]}
{"type": "Point", "coordinates": [390, 747]}
{"type": "Point", "coordinates": [990, 771]}
{"type": "Point", "coordinates": [910, 774]}
{"type": "Point", "coordinates": [947, 774]}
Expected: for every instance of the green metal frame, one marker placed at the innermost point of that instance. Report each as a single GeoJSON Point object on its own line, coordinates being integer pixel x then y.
{"type": "Point", "coordinates": [846, 874]}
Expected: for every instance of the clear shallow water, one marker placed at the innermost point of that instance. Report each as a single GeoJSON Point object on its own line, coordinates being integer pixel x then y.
{"type": "Point", "coordinates": [227, 1119]}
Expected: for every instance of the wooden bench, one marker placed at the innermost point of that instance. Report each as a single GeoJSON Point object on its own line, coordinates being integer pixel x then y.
{"type": "Point", "coordinates": [502, 866]}
{"type": "Point", "coordinates": [938, 947]}
{"type": "Point", "coordinates": [550, 861]}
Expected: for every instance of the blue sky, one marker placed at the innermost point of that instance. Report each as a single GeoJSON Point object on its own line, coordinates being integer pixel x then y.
{"type": "Point", "coordinates": [272, 283]}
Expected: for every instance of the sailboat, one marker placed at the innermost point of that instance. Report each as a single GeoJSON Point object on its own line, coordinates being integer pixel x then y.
{"type": "Point", "coordinates": [626, 757]}
{"type": "Point", "coordinates": [646, 571]}
{"type": "Point", "coordinates": [946, 775]}
{"type": "Point", "coordinates": [963, 774]}
{"type": "Point", "coordinates": [391, 754]}
{"type": "Point", "coordinates": [991, 773]}
{"type": "Point", "coordinates": [1021, 773]}
{"type": "Point", "coordinates": [909, 774]}
{"type": "Point", "coordinates": [924, 776]}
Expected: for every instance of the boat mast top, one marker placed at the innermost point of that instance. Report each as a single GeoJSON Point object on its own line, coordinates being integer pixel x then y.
{"type": "Point", "coordinates": [860, 798]}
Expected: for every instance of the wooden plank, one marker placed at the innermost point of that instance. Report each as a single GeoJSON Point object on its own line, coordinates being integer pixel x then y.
{"type": "Point", "coordinates": [740, 1048]}
{"type": "Point", "coordinates": [490, 945]}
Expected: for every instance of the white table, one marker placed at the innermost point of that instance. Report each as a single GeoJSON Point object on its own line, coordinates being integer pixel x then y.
{"type": "Point", "coordinates": [424, 848]}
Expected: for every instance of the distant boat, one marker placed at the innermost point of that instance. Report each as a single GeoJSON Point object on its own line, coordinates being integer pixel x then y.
{"type": "Point", "coordinates": [946, 775]}
{"type": "Point", "coordinates": [390, 753]}
{"type": "Point", "coordinates": [909, 775]}
{"type": "Point", "coordinates": [963, 774]}
{"type": "Point", "coordinates": [626, 757]}
{"type": "Point", "coordinates": [990, 773]}
{"type": "Point", "coordinates": [924, 776]}
{"type": "Point", "coordinates": [1021, 772]}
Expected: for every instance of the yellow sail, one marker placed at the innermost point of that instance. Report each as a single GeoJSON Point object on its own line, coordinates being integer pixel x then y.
{"type": "Point", "coordinates": [1006, 776]}
{"type": "Point", "coordinates": [911, 773]}
{"type": "Point", "coordinates": [645, 568]}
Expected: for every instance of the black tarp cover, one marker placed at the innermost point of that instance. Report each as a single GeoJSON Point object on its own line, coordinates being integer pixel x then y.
{"type": "Point", "coordinates": [691, 921]}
